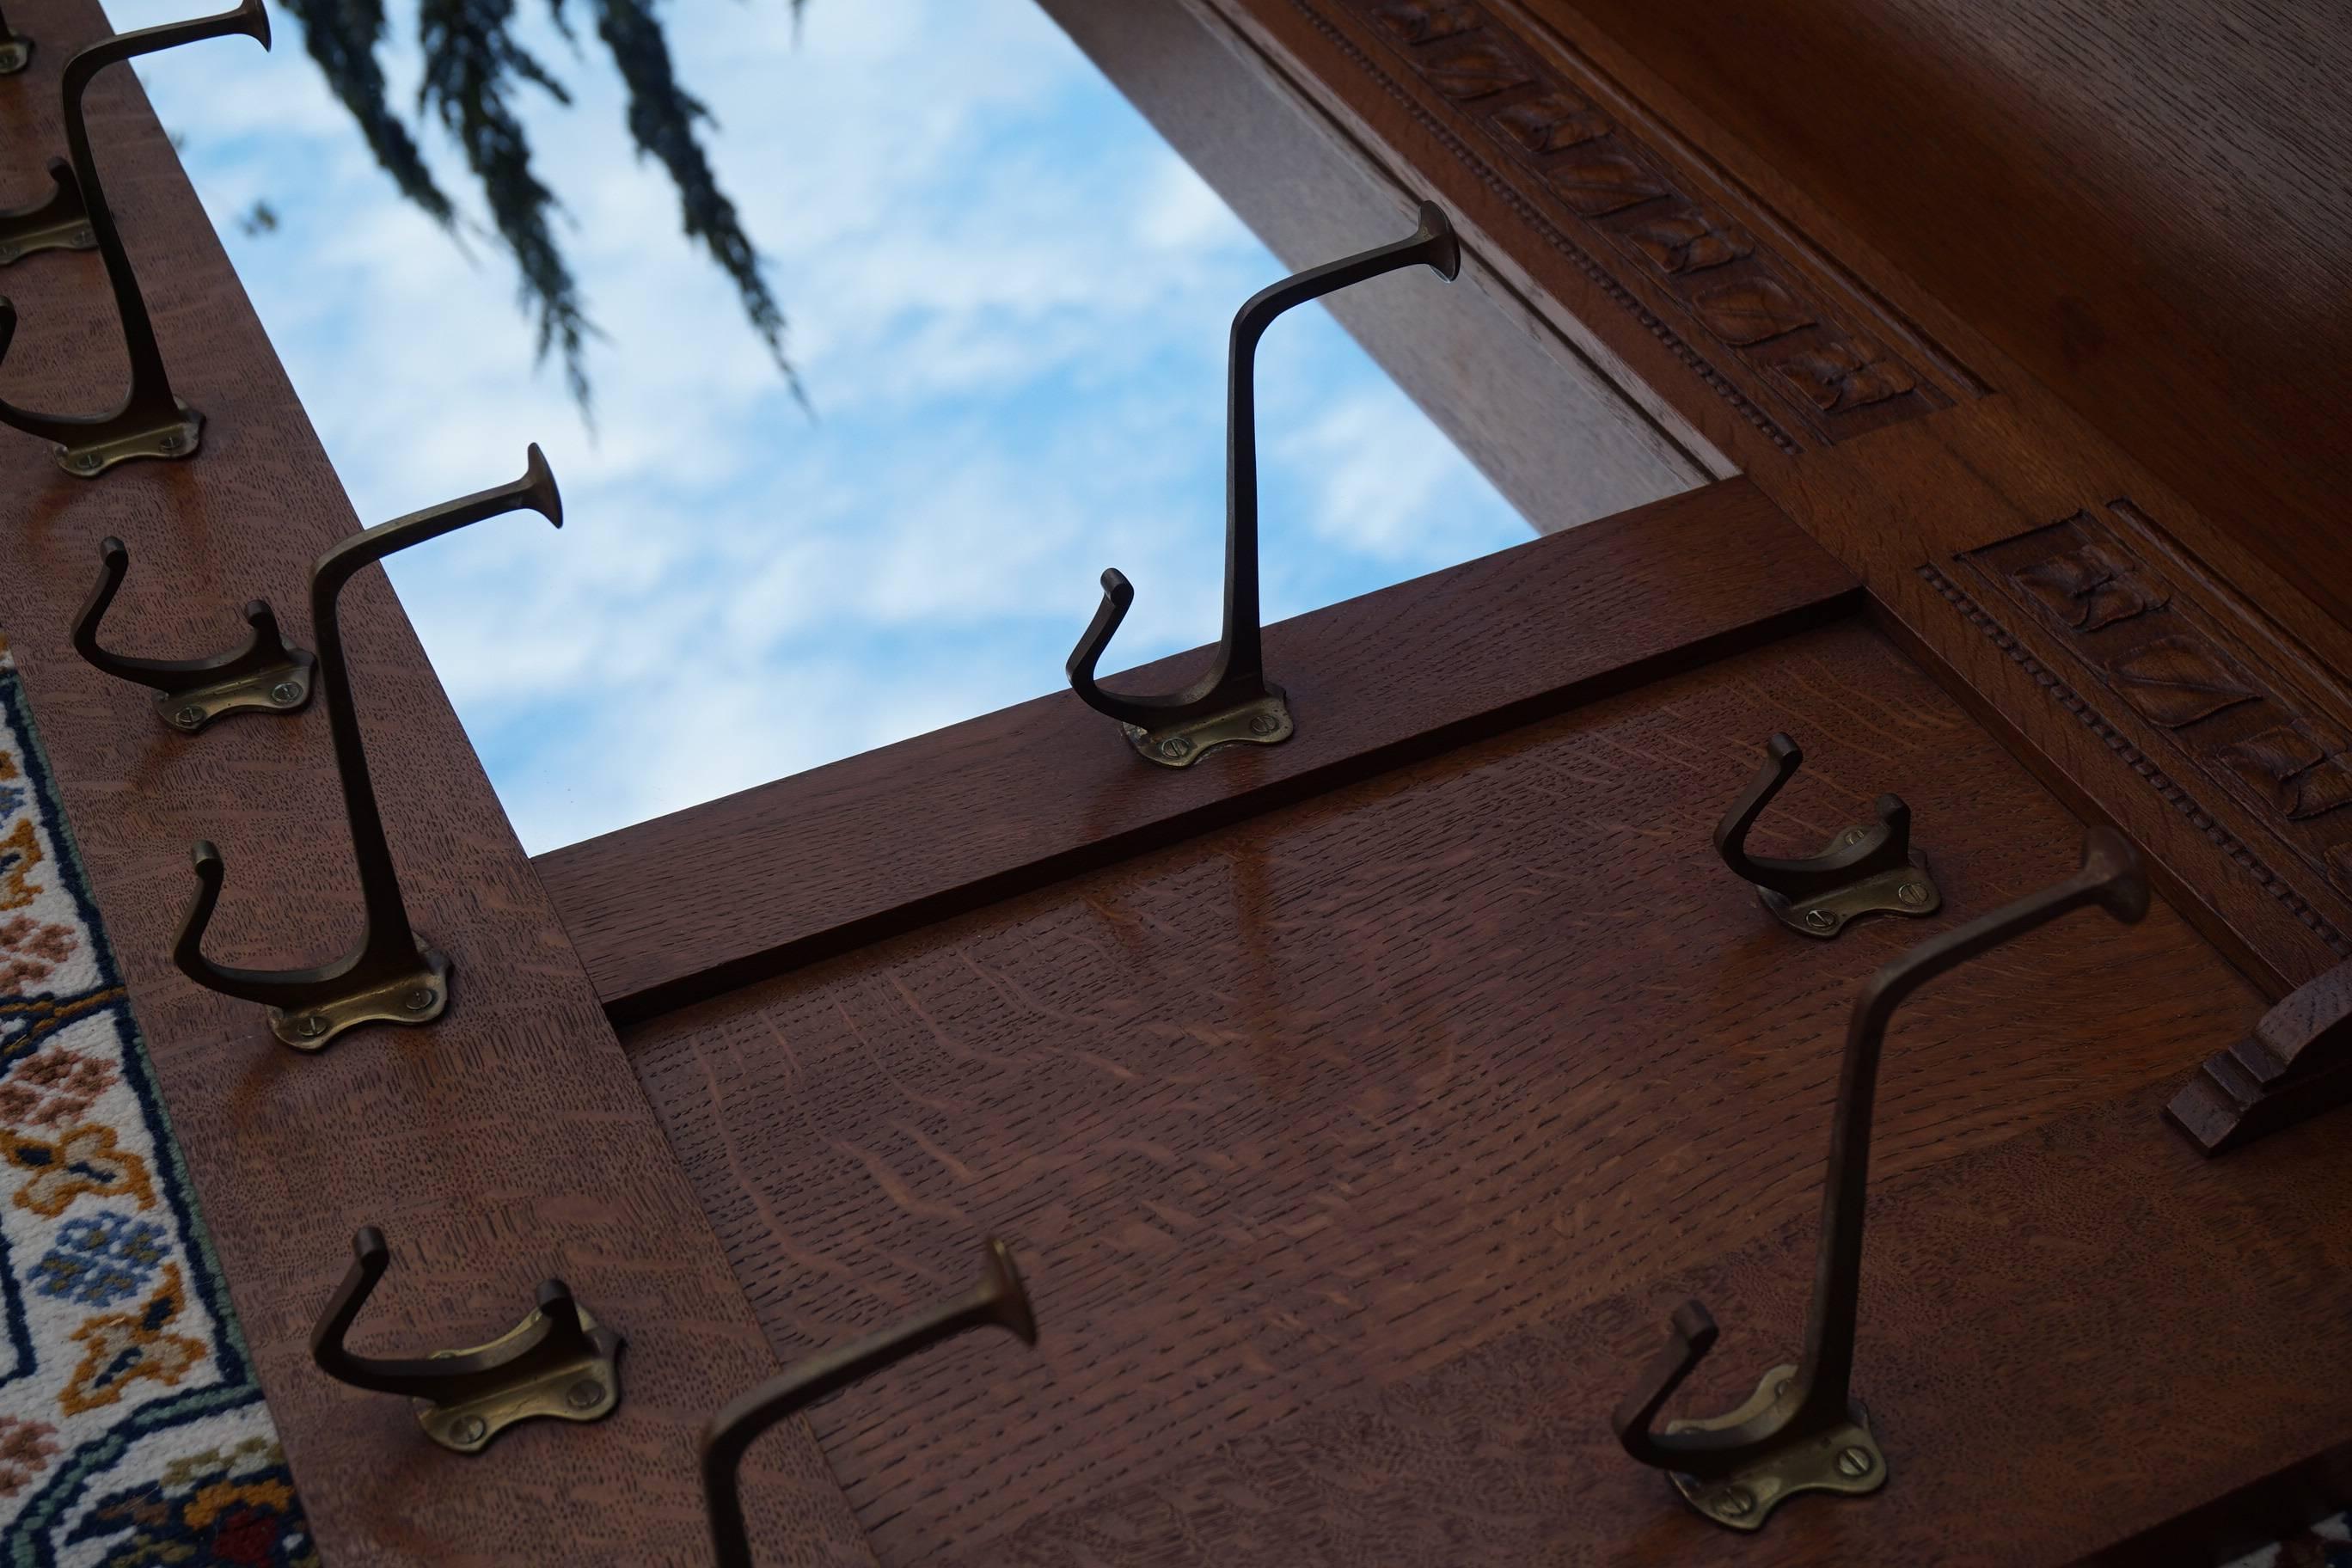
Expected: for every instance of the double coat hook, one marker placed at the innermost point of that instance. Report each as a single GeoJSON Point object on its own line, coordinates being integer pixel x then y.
{"type": "Point", "coordinates": [557, 1362]}
{"type": "Point", "coordinates": [1801, 1431]}
{"type": "Point", "coordinates": [152, 422]}
{"type": "Point", "coordinates": [999, 1300]}
{"type": "Point", "coordinates": [190, 693]}
{"type": "Point", "coordinates": [1864, 871]}
{"type": "Point", "coordinates": [393, 977]}
{"type": "Point", "coordinates": [1234, 700]}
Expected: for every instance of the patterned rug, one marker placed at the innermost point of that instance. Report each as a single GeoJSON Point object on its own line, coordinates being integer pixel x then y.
{"type": "Point", "coordinates": [131, 1432]}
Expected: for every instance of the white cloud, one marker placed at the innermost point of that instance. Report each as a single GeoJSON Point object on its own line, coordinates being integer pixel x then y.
{"type": "Point", "coordinates": [1010, 302]}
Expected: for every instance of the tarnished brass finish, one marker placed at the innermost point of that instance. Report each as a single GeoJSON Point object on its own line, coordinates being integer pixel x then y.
{"type": "Point", "coordinates": [1262, 723]}
{"type": "Point", "coordinates": [1802, 1431]}
{"type": "Point", "coordinates": [1000, 1299]}
{"type": "Point", "coordinates": [384, 980]}
{"type": "Point", "coordinates": [59, 223]}
{"type": "Point", "coordinates": [150, 422]}
{"type": "Point", "coordinates": [1842, 1458]}
{"type": "Point", "coordinates": [1864, 871]}
{"type": "Point", "coordinates": [558, 1362]}
{"type": "Point", "coordinates": [264, 676]}
{"type": "Point", "coordinates": [15, 49]}
{"type": "Point", "coordinates": [1232, 701]}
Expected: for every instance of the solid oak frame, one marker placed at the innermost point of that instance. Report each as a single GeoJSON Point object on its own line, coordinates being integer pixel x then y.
{"type": "Point", "coordinates": [1988, 524]}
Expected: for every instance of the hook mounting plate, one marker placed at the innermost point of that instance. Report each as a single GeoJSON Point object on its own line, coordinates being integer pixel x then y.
{"type": "Point", "coordinates": [1897, 893]}
{"type": "Point", "coordinates": [587, 1388]}
{"type": "Point", "coordinates": [1846, 1458]}
{"type": "Point", "coordinates": [281, 689]}
{"type": "Point", "coordinates": [176, 438]}
{"type": "Point", "coordinates": [1263, 722]}
{"type": "Point", "coordinates": [68, 231]}
{"type": "Point", "coordinates": [418, 996]}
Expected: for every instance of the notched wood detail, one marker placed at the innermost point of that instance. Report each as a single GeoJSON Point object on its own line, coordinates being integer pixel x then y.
{"type": "Point", "coordinates": [2296, 1063]}
{"type": "Point", "coordinates": [1684, 240]}
{"type": "Point", "coordinates": [2283, 755]}
{"type": "Point", "coordinates": [1762, 311]}
{"type": "Point", "coordinates": [2238, 851]}
{"type": "Point", "coordinates": [1553, 123]}
{"type": "Point", "coordinates": [2176, 681]}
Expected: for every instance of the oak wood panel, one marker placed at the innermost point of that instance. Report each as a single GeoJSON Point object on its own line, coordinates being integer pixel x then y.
{"type": "Point", "coordinates": [1769, 326]}
{"type": "Point", "coordinates": [2142, 204]}
{"type": "Point", "coordinates": [726, 892]}
{"type": "Point", "coordinates": [2011, 1298]}
{"type": "Point", "coordinates": [1303, 1109]}
{"type": "Point", "coordinates": [508, 1142]}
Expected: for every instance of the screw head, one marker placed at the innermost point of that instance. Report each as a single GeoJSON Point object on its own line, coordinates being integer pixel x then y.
{"type": "Point", "coordinates": [418, 1000]}
{"type": "Point", "coordinates": [1781, 1389]}
{"type": "Point", "coordinates": [1263, 724]}
{"type": "Point", "coordinates": [1914, 893]}
{"type": "Point", "coordinates": [83, 235]}
{"type": "Point", "coordinates": [1855, 1463]}
{"type": "Point", "coordinates": [1734, 1503]}
{"type": "Point", "coordinates": [1854, 836]}
{"type": "Point", "coordinates": [472, 1429]}
{"type": "Point", "coordinates": [188, 717]}
{"type": "Point", "coordinates": [1175, 746]}
{"type": "Point", "coordinates": [585, 1394]}
{"type": "Point", "coordinates": [168, 443]}
{"type": "Point", "coordinates": [284, 693]}
{"type": "Point", "coordinates": [85, 459]}
{"type": "Point", "coordinates": [1820, 920]}
{"type": "Point", "coordinates": [311, 1025]}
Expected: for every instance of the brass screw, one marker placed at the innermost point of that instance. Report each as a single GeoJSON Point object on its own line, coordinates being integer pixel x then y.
{"type": "Point", "coordinates": [1854, 836]}
{"type": "Point", "coordinates": [1820, 920]}
{"type": "Point", "coordinates": [471, 1430]}
{"type": "Point", "coordinates": [418, 1000]}
{"type": "Point", "coordinates": [1912, 892]}
{"type": "Point", "coordinates": [585, 1394]}
{"type": "Point", "coordinates": [83, 235]}
{"type": "Point", "coordinates": [188, 717]}
{"type": "Point", "coordinates": [86, 460]}
{"type": "Point", "coordinates": [1175, 746]}
{"type": "Point", "coordinates": [284, 692]}
{"type": "Point", "coordinates": [310, 1026]}
{"type": "Point", "coordinates": [1263, 724]}
{"type": "Point", "coordinates": [1735, 1502]}
{"type": "Point", "coordinates": [1853, 1463]}
{"type": "Point", "coordinates": [169, 443]}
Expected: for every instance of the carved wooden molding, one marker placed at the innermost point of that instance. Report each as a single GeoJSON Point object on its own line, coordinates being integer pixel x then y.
{"type": "Point", "coordinates": [2296, 1063]}
{"type": "Point", "coordinates": [2138, 760]}
{"type": "Point", "coordinates": [1608, 184]}
{"type": "Point", "coordinates": [2166, 657]}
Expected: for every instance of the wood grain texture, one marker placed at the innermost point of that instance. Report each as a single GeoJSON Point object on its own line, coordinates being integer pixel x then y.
{"type": "Point", "coordinates": [2011, 1298]}
{"type": "Point", "coordinates": [1298, 1113]}
{"type": "Point", "coordinates": [720, 894]}
{"type": "Point", "coordinates": [2006, 457]}
{"type": "Point", "coordinates": [507, 1143]}
{"type": "Point", "coordinates": [2144, 205]}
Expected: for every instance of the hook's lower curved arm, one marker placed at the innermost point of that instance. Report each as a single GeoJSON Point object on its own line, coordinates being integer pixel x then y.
{"type": "Point", "coordinates": [441, 1379]}
{"type": "Point", "coordinates": [1884, 848]}
{"type": "Point", "coordinates": [1000, 1299]}
{"type": "Point", "coordinates": [264, 649]}
{"type": "Point", "coordinates": [1690, 1334]}
{"type": "Point", "coordinates": [1119, 596]}
{"type": "Point", "coordinates": [289, 988]}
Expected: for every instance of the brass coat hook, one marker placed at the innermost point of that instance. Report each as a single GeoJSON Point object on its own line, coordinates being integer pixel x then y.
{"type": "Point", "coordinates": [1864, 871]}
{"type": "Point", "coordinates": [393, 977]}
{"type": "Point", "coordinates": [152, 422]}
{"type": "Point", "coordinates": [15, 49]}
{"type": "Point", "coordinates": [1801, 1431]}
{"type": "Point", "coordinates": [1235, 701]}
{"type": "Point", "coordinates": [557, 1362]}
{"type": "Point", "coordinates": [999, 1298]}
{"type": "Point", "coordinates": [190, 693]}
{"type": "Point", "coordinates": [61, 221]}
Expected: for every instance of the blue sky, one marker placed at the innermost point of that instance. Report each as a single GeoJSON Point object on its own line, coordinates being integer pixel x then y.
{"type": "Point", "coordinates": [1009, 302]}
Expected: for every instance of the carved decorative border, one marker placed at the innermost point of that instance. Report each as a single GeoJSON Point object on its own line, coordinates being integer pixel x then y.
{"type": "Point", "coordinates": [2167, 789]}
{"type": "Point", "coordinates": [1608, 184]}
